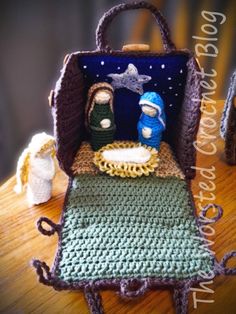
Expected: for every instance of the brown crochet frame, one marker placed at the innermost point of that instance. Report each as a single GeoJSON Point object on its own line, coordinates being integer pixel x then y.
{"type": "Point", "coordinates": [68, 100]}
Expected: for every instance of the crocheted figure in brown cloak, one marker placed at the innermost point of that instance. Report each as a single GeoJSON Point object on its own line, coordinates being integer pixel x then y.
{"type": "Point", "coordinates": [99, 115]}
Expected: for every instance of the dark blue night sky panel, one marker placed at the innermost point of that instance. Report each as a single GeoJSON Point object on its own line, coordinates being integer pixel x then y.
{"type": "Point", "coordinates": [168, 79]}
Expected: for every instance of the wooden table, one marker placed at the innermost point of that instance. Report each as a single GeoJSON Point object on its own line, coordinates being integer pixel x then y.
{"type": "Point", "coordinates": [20, 242]}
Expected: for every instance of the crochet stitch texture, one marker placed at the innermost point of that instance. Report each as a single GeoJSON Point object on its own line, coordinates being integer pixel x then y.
{"type": "Point", "coordinates": [129, 235]}
{"type": "Point", "coordinates": [124, 228]}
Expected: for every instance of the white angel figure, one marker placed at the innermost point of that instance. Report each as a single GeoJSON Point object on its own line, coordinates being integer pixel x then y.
{"type": "Point", "coordinates": [36, 169]}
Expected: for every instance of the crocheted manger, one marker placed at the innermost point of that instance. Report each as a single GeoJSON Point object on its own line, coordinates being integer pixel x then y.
{"type": "Point", "coordinates": [130, 235]}
{"type": "Point", "coordinates": [167, 165]}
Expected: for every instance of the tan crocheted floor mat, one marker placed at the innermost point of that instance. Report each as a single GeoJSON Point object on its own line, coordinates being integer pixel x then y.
{"type": "Point", "coordinates": [168, 167]}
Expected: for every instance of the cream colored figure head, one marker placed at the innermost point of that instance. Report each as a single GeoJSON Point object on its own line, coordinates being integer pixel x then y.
{"type": "Point", "coordinates": [36, 169]}
{"type": "Point", "coordinates": [102, 97]}
{"type": "Point", "coordinates": [149, 111]}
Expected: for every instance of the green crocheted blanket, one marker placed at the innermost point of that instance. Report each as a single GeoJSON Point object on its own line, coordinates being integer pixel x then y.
{"type": "Point", "coordinates": [124, 228]}
{"type": "Point", "coordinates": [130, 235]}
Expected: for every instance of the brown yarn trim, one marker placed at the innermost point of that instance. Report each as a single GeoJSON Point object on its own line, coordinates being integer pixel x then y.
{"type": "Point", "coordinates": [230, 138]}
{"type": "Point", "coordinates": [53, 227]}
{"type": "Point", "coordinates": [228, 122]}
{"type": "Point", "coordinates": [94, 300]}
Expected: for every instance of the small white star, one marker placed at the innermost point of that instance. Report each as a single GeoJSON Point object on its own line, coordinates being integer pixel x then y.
{"type": "Point", "coordinates": [181, 71]}
{"type": "Point", "coordinates": [176, 94]}
{"type": "Point", "coordinates": [180, 84]}
{"type": "Point", "coordinates": [169, 78]}
{"type": "Point", "coordinates": [155, 84]}
{"type": "Point", "coordinates": [118, 68]}
{"type": "Point", "coordinates": [85, 66]}
{"type": "Point", "coordinates": [102, 62]}
{"type": "Point", "coordinates": [170, 105]}
{"type": "Point", "coordinates": [97, 75]}
{"type": "Point", "coordinates": [170, 87]}
{"type": "Point", "coordinates": [163, 66]}
{"type": "Point", "coordinates": [150, 67]}
{"type": "Point", "coordinates": [130, 79]}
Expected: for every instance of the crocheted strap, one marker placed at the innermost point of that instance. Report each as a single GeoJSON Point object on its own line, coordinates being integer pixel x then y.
{"type": "Point", "coordinates": [181, 298]}
{"type": "Point", "coordinates": [94, 300]}
{"type": "Point", "coordinates": [130, 288]}
{"type": "Point", "coordinates": [203, 218]}
{"type": "Point", "coordinates": [43, 272]}
{"type": "Point", "coordinates": [54, 227]}
{"type": "Point", "coordinates": [225, 270]}
{"type": "Point", "coordinates": [105, 21]}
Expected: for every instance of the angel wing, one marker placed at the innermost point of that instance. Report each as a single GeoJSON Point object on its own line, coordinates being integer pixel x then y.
{"type": "Point", "coordinates": [22, 171]}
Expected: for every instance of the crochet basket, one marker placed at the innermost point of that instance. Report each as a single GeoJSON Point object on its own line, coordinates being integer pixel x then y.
{"type": "Point", "coordinates": [129, 235]}
{"type": "Point", "coordinates": [174, 76]}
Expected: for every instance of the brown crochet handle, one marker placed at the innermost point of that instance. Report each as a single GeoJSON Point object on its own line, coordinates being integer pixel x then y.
{"type": "Point", "coordinates": [223, 262]}
{"type": "Point", "coordinates": [107, 18]}
{"type": "Point", "coordinates": [43, 272]}
{"type": "Point", "coordinates": [53, 227]}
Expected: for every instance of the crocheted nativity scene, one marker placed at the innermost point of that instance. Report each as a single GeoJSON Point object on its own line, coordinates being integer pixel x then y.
{"type": "Point", "coordinates": [125, 124]}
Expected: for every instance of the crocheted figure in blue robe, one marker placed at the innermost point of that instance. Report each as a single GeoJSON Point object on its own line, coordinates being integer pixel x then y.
{"type": "Point", "coordinates": [152, 121]}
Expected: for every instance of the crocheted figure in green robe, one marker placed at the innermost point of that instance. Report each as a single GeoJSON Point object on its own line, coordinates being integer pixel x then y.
{"type": "Point", "coordinates": [100, 116]}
